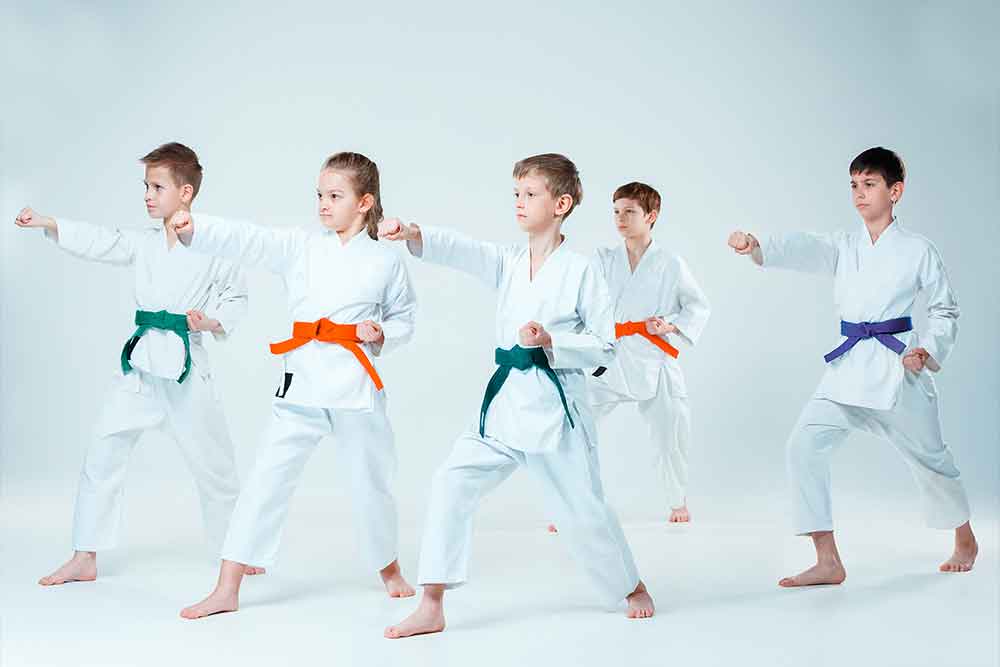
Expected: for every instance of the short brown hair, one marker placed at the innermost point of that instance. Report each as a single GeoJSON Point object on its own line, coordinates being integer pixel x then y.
{"type": "Point", "coordinates": [646, 195]}
{"type": "Point", "coordinates": [180, 160]}
{"type": "Point", "coordinates": [364, 175]}
{"type": "Point", "coordinates": [560, 174]}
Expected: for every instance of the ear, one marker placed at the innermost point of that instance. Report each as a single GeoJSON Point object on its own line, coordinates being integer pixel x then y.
{"type": "Point", "coordinates": [187, 194]}
{"type": "Point", "coordinates": [651, 217]}
{"type": "Point", "coordinates": [366, 202]}
{"type": "Point", "coordinates": [896, 191]}
{"type": "Point", "coordinates": [563, 204]}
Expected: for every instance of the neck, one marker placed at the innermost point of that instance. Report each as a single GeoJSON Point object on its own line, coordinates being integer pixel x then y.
{"type": "Point", "coordinates": [352, 231]}
{"type": "Point", "coordinates": [637, 245]}
{"type": "Point", "coordinates": [544, 242]}
{"type": "Point", "coordinates": [877, 226]}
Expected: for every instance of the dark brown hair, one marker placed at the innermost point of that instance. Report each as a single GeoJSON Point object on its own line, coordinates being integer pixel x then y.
{"type": "Point", "coordinates": [647, 196]}
{"type": "Point", "coordinates": [880, 161]}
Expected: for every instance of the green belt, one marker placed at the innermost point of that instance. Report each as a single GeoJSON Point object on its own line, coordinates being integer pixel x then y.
{"type": "Point", "coordinates": [522, 359]}
{"type": "Point", "coordinates": [164, 321]}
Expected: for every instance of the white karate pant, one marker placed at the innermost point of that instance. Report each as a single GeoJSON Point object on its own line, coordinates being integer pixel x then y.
{"type": "Point", "coordinates": [571, 480]}
{"type": "Point", "coordinates": [191, 414]}
{"type": "Point", "coordinates": [364, 439]}
{"type": "Point", "coordinates": [912, 426]}
{"type": "Point", "coordinates": [668, 420]}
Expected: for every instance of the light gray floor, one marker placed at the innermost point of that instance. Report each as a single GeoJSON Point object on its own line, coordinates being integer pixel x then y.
{"type": "Point", "coordinates": [714, 585]}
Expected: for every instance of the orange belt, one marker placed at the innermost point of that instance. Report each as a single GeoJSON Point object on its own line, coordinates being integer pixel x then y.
{"type": "Point", "coordinates": [345, 335]}
{"type": "Point", "coordinates": [639, 328]}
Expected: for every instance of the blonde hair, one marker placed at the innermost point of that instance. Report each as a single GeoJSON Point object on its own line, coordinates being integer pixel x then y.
{"type": "Point", "coordinates": [364, 176]}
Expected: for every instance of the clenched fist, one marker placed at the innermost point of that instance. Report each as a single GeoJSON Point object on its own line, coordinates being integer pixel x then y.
{"type": "Point", "coordinates": [28, 218]}
{"type": "Point", "coordinates": [183, 225]}
{"type": "Point", "coordinates": [916, 359]}
{"type": "Point", "coordinates": [394, 229]}
{"type": "Point", "coordinates": [657, 326]}
{"type": "Point", "coordinates": [534, 334]}
{"type": "Point", "coordinates": [742, 243]}
{"type": "Point", "coordinates": [370, 332]}
{"type": "Point", "coordinates": [197, 321]}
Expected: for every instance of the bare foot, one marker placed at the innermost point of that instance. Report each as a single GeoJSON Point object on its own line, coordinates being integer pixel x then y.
{"type": "Point", "coordinates": [252, 570]}
{"type": "Point", "coordinates": [225, 597]}
{"type": "Point", "coordinates": [824, 572]}
{"type": "Point", "coordinates": [395, 585]}
{"type": "Point", "coordinates": [427, 619]}
{"type": "Point", "coordinates": [640, 603]}
{"type": "Point", "coordinates": [81, 567]}
{"type": "Point", "coordinates": [679, 515]}
{"type": "Point", "coordinates": [552, 528]}
{"type": "Point", "coordinates": [966, 550]}
{"type": "Point", "coordinates": [217, 603]}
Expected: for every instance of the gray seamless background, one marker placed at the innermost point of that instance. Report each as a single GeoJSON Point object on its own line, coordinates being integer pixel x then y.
{"type": "Point", "coordinates": [741, 114]}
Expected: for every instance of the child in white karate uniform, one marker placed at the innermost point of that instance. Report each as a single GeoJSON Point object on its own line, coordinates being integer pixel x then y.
{"type": "Point", "coordinates": [349, 297]}
{"type": "Point", "coordinates": [877, 378]}
{"type": "Point", "coordinates": [655, 296]}
{"type": "Point", "coordinates": [554, 319]}
{"type": "Point", "coordinates": [165, 381]}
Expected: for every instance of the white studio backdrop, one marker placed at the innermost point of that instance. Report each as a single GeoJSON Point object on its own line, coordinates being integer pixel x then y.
{"type": "Point", "coordinates": [742, 115]}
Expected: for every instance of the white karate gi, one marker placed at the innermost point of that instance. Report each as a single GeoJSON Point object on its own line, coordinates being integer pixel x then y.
{"type": "Point", "coordinates": [641, 373]}
{"type": "Point", "coordinates": [149, 397]}
{"type": "Point", "coordinates": [867, 388]}
{"type": "Point", "coordinates": [325, 390]}
{"type": "Point", "coordinates": [526, 424]}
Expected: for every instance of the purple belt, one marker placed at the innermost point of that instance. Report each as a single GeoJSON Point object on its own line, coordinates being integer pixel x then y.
{"type": "Point", "coordinates": [880, 331]}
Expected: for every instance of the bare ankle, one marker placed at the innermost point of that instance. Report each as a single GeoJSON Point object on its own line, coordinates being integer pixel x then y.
{"type": "Point", "coordinates": [390, 570]}
{"type": "Point", "coordinates": [433, 594]}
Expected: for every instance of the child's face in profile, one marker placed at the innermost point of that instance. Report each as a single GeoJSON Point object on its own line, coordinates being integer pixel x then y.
{"type": "Point", "coordinates": [630, 220]}
{"type": "Point", "coordinates": [339, 205]}
{"type": "Point", "coordinates": [163, 195]}
{"type": "Point", "coordinates": [872, 197]}
{"type": "Point", "coordinates": [535, 206]}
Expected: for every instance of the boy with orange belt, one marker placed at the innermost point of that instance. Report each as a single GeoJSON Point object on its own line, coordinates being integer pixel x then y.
{"type": "Point", "coordinates": [655, 296]}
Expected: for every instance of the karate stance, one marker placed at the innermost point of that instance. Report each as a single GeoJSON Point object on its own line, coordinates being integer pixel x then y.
{"type": "Point", "coordinates": [350, 296]}
{"type": "Point", "coordinates": [165, 380]}
{"type": "Point", "coordinates": [554, 319]}
{"type": "Point", "coordinates": [655, 296]}
{"type": "Point", "coordinates": [876, 378]}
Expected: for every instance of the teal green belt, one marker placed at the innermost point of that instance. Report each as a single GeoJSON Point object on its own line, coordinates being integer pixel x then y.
{"type": "Point", "coordinates": [164, 321]}
{"type": "Point", "coordinates": [522, 359]}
